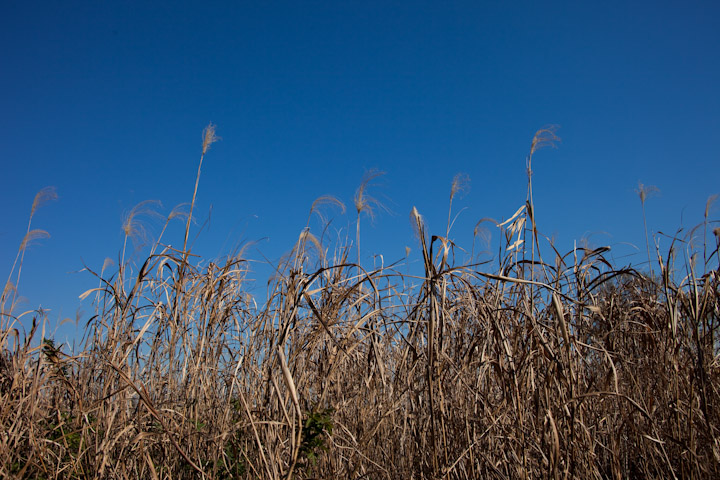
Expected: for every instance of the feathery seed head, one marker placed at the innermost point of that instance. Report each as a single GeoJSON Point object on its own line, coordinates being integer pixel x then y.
{"type": "Point", "coordinates": [209, 137]}
{"type": "Point", "coordinates": [646, 191]}
{"type": "Point", "coordinates": [131, 226]}
{"type": "Point", "coordinates": [460, 183]}
{"type": "Point", "coordinates": [325, 200]}
{"type": "Point", "coordinates": [710, 201]}
{"type": "Point", "coordinates": [45, 195]}
{"type": "Point", "coordinates": [180, 212]}
{"type": "Point", "coordinates": [305, 237]}
{"type": "Point", "coordinates": [545, 137]}
{"type": "Point", "coordinates": [418, 222]}
{"type": "Point", "coordinates": [364, 202]}
{"type": "Point", "coordinates": [31, 236]}
{"type": "Point", "coordinates": [108, 262]}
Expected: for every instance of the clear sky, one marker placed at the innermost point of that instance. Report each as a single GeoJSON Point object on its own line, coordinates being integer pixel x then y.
{"type": "Point", "coordinates": [107, 101]}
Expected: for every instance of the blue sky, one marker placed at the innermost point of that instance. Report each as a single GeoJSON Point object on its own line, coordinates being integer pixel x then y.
{"type": "Point", "coordinates": [107, 101]}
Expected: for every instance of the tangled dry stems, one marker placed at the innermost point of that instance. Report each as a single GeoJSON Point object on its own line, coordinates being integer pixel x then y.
{"type": "Point", "coordinates": [569, 369]}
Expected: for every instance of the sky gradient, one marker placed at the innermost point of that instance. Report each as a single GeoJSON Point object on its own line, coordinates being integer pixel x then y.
{"type": "Point", "coordinates": [107, 101]}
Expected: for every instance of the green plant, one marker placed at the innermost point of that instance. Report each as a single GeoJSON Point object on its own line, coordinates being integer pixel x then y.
{"type": "Point", "coordinates": [317, 426]}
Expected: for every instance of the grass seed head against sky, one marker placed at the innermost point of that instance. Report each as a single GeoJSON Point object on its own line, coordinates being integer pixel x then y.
{"type": "Point", "coordinates": [107, 102]}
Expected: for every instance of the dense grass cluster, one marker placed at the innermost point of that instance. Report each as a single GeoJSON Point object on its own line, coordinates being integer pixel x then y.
{"type": "Point", "coordinates": [534, 365]}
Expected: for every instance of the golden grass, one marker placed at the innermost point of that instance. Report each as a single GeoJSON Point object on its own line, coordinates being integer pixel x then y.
{"type": "Point", "coordinates": [568, 367]}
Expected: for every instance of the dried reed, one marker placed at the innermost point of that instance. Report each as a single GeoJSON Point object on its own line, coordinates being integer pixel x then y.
{"type": "Point", "coordinates": [570, 368]}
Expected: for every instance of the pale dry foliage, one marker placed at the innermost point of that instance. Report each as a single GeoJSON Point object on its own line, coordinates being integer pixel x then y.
{"type": "Point", "coordinates": [573, 368]}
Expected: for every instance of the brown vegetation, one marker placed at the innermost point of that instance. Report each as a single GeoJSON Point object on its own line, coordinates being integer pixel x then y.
{"type": "Point", "coordinates": [567, 368]}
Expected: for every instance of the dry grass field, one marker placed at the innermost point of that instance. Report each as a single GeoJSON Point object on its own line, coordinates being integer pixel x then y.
{"type": "Point", "coordinates": [540, 364]}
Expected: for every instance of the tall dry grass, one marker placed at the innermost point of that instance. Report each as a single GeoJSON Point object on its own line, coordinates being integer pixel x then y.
{"type": "Point", "coordinates": [546, 365]}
